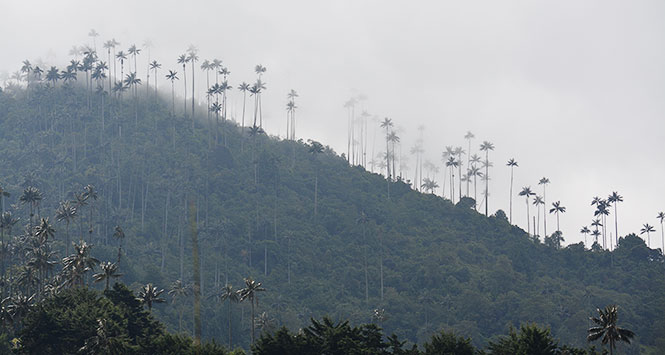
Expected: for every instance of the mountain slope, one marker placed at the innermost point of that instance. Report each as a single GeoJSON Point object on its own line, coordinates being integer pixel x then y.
{"type": "Point", "coordinates": [444, 266]}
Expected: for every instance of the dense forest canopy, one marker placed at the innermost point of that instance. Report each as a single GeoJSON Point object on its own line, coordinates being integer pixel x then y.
{"type": "Point", "coordinates": [190, 200]}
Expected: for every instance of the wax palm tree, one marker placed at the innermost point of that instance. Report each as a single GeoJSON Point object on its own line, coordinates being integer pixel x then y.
{"type": "Point", "coordinates": [134, 51]}
{"type": "Point", "coordinates": [512, 164]}
{"type": "Point", "coordinates": [119, 234]}
{"type": "Point", "coordinates": [108, 45]}
{"type": "Point", "coordinates": [429, 185]}
{"type": "Point", "coordinates": [557, 209]}
{"type": "Point", "coordinates": [256, 90]}
{"type": "Point", "coordinates": [244, 87]}
{"type": "Point", "coordinates": [53, 75]}
{"type": "Point", "coordinates": [595, 233]}
{"type": "Point", "coordinates": [32, 197]}
{"type": "Point", "coordinates": [179, 291]}
{"type": "Point", "coordinates": [526, 192]}
{"type": "Point", "coordinates": [3, 194]}
{"type": "Point", "coordinates": [121, 56]}
{"type": "Point", "coordinates": [602, 210]}
{"type": "Point", "coordinates": [184, 59]}
{"type": "Point", "coordinates": [228, 294]}
{"type": "Point", "coordinates": [475, 172]}
{"type": "Point", "coordinates": [154, 66]}
{"type": "Point", "coordinates": [661, 217]}
{"type": "Point", "coordinates": [94, 35]}
{"type": "Point", "coordinates": [192, 57]}
{"type": "Point", "coordinates": [486, 147]}
{"type": "Point", "coordinates": [68, 75]}
{"type": "Point", "coordinates": [250, 292]}
{"type": "Point", "coordinates": [149, 294]}
{"type": "Point", "coordinates": [585, 230]}
{"type": "Point", "coordinates": [292, 99]}
{"type": "Point", "coordinates": [452, 164]}
{"type": "Point", "coordinates": [544, 181]}
{"type": "Point", "coordinates": [109, 270]}
{"type": "Point", "coordinates": [646, 228]}
{"type": "Point", "coordinates": [537, 201]}
{"type": "Point", "coordinates": [387, 123]}
{"type": "Point", "coordinates": [173, 76]}
{"type": "Point", "coordinates": [615, 198]}
{"type": "Point", "coordinates": [393, 138]}
{"type": "Point", "coordinates": [75, 266]}
{"type": "Point", "coordinates": [606, 328]}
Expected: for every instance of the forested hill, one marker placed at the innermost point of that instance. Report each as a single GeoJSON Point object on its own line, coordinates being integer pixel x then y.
{"type": "Point", "coordinates": [323, 237]}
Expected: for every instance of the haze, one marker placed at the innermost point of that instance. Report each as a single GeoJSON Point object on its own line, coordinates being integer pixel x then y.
{"type": "Point", "coordinates": [573, 90]}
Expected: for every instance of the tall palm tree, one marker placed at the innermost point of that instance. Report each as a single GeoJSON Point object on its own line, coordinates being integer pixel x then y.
{"type": "Point", "coordinates": [75, 266]}
{"type": "Point", "coordinates": [173, 76]}
{"type": "Point", "coordinates": [32, 197]}
{"type": "Point", "coordinates": [134, 51]}
{"type": "Point", "coordinates": [544, 181]}
{"type": "Point", "coordinates": [94, 35]}
{"type": "Point", "coordinates": [192, 57]}
{"type": "Point", "coordinates": [452, 164]}
{"type": "Point", "coordinates": [646, 228]}
{"type": "Point", "coordinates": [661, 217]}
{"type": "Point", "coordinates": [615, 198]}
{"type": "Point", "coordinates": [109, 270]}
{"type": "Point", "coordinates": [475, 172]}
{"type": "Point", "coordinates": [250, 292]}
{"type": "Point", "coordinates": [53, 75]}
{"type": "Point", "coordinates": [108, 45]}
{"type": "Point", "coordinates": [179, 291]}
{"type": "Point", "coordinates": [512, 164]}
{"type": "Point", "coordinates": [557, 209]}
{"type": "Point", "coordinates": [149, 294]}
{"type": "Point", "coordinates": [121, 56]}
{"type": "Point", "coordinates": [486, 147]}
{"type": "Point", "coordinates": [602, 210]}
{"type": "Point", "coordinates": [292, 98]}
{"type": "Point", "coordinates": [526, 192]}
{"type": "Point", "coordinates": [244, 87]}
{"type": "Point", "coordinates": [429, 185]}
{"type": "Point", "coordinates": [387, 123]}
{"type": "Point", "coordinates": [119, 234]}
{"type": "Point", "coordinates": [393, 139]}
{"type": "Point", "coordinates": [66, 212]}
{"type": "Point", "coordinates": [607, 329]}
{"type": "Point", "coordinates": [537, 201]}
{"type": "Point", "coordinates": [155, 66]}
{"type": "Point", "coordinates": [229, 295]}
{"type": "Point", "coordinates": [585, 230]}
{"type": "Point", "coordinates": [184, 59]}
{"type": "Point", "coordinates": [3, 193]}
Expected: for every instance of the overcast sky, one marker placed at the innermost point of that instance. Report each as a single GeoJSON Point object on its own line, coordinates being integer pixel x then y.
{"type": "Point", "coordinates": [573, 90]}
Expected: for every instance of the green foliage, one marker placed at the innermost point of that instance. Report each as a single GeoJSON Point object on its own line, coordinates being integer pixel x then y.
{"type": "Point", "coordinates": [446, 343]}
{"type": "Point", "coordinates": [81, 320]}
{"type": "Point", "coordinates": [431, 265]}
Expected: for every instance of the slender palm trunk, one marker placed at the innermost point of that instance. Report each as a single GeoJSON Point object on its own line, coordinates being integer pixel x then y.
{"type": "Point", "coordinates": [511, 195]}
{"type": "Point", "coordinates": [616, 225]}
{"type": "Point", "coordinates": [487, 182]}
{"type": "Point", "coordinates": [252, 300]}
{"type": "Point", "coordinates": [528, 222]}
{"type": "Point", "coordinates": [544, 211]}
{"type": "Point", "coordinates": [229, 317]}
{"type": "Point", "coordinates": [193, 94]}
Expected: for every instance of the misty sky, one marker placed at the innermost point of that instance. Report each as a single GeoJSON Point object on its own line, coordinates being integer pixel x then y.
{"type": "Point", "coordinates": [573, 90]}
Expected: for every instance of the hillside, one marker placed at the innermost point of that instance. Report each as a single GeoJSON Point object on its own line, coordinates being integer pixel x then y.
{"type": "Point", "coordinates": [293, 220]}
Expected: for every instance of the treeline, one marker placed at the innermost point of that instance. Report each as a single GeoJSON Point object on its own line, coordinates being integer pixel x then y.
{"type": "Point", "coordinates": [323, 237]}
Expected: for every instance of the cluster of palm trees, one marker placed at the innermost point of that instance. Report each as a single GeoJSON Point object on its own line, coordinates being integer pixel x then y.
{"type": "Point", "coordinates": [179, 291]}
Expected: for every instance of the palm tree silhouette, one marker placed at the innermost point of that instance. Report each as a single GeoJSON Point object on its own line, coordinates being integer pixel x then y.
{"type": "Point", "coordinates": [121, 56]}
{"type": "Point", "coordinates": [452, 164]}
{"type": "Point", "coordinates": [183, 59]}
{"type": "Point", "coordinates": [544, 181]}
{"type": "Point", "coordinates": [585, 230]}
{"type": "Point", "coordinates": [556, 209]}
{"type": "Point", "coordinates": [607, 329]}
{"type": "Point", "coordinates": [155, 66]}
{"type": "Point", "coordinates": [149, 294]}
{"type": "Point", "coordinates": [173, 76]}
{"type": "Point", "coordinates": [512, 164]}
{"type": "Point", "coordinates": [53, 75]}
{"type": "Point", "coordinates": [486, 147]}
{"type": "Point", "coordinates": [250, 292]}
{"type": "Point", "coordinates": [229, 295]}
{"type": "Point", "coordinates": [76, 265]}
{"type": "Point", "coordinates": [179, 291]}
{"type": "Point", "coordinates": [646, 228]}
{"type": "Point", "coordinates": [387, 123]}
{"type": "Point", "coordinates": [32, 197]}
{"type": "Point", "coordinates": [615, 198]}
{"type": "Point", "coordinates": [192, 57]}
{"type": "Point", "coordinates": [109, 270]}
{"type": "Point", "coordinates": [134, 51]}
{"type": "Point", "coordinates": [537, 201]}
{"type": "Point", "coordinates": [66, 212]}
{"type": "Point", "coordinates": [3, 193]}
{"type": "Point", "coordinates": [526, 192]}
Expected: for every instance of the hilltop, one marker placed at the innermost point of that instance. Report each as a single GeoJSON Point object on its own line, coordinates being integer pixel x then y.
{"type": "Point", "coordinates": [323, 237]}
